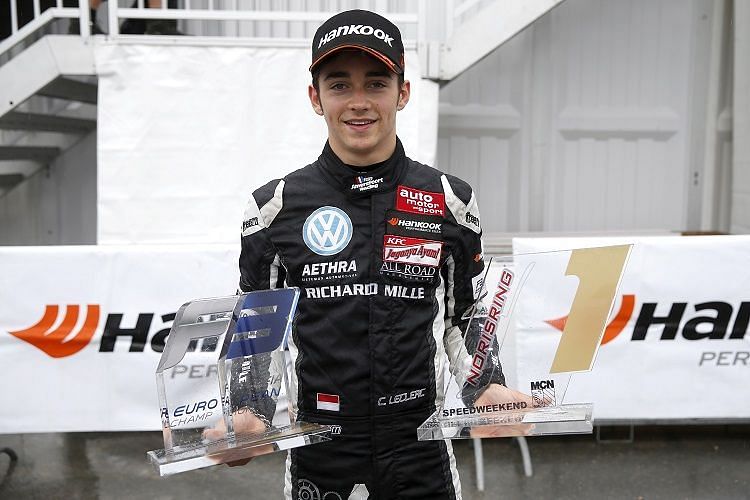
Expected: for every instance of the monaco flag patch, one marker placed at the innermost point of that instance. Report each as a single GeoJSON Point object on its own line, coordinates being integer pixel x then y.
{"type": "Point", "coordinates": [328, 402]}
{"type": "Point", "coordinates": [411, 250]}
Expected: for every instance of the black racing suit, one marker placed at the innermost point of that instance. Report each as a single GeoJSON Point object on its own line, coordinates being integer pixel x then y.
{"type": "Point", "coordinates": [387, 261]}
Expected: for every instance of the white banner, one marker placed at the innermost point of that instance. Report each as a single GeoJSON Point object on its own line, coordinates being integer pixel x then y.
{"type": "Point", "coordinates": [186, 133]}
{"type": "Point", "coordinates": [81, 330]}
{"type": "Point", "coordinates": [678, 345]}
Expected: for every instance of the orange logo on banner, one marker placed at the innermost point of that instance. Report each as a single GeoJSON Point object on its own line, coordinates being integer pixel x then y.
{"type": "Point", "coordinates": [53, 342]}
{"type": "Point", "coordinates": [614, 328]}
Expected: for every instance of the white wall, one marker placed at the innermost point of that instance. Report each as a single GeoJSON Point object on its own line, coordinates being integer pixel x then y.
{"type": "Point", "coordinates": [741, 157]}
{"type": "Point", "coordinates": [57, 205]}
{"type": "Point", "coordinates": [186, 133]}
{"type": "Point", "coordinates": [592, 119]}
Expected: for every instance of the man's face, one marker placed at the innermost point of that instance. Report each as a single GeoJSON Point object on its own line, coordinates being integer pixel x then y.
{"type": "Point", "coordinates": [359, 97]}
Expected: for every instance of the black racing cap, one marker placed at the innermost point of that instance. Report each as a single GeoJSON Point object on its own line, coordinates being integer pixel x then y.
{"type": "Point", "coordinates": [359, 29]}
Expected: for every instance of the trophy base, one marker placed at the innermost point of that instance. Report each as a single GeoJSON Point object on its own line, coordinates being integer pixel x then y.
{"type": "Point", "coordinates": [563, 419]}
{"type": "Point", "coordinates": [205, 454]}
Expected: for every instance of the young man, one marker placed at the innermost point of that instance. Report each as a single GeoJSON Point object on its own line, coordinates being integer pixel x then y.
{"type": "Point", "coordinates": [386, 252]}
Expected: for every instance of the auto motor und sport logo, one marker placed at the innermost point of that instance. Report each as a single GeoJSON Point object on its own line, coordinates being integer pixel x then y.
{"type": "Point", "coordinates": [420, 202]}
{"type": "Point", "coordinates": [706, 321]}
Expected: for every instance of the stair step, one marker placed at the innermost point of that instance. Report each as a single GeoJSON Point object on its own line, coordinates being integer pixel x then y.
{"type": "Point", "coordinates": [7, 181]}
{"type": "Point", "coordinates": [42, 154]}
{"type": "Point", "coordinates": [73, 90]}
{"type": "Point", "coordinates": [15, 120]}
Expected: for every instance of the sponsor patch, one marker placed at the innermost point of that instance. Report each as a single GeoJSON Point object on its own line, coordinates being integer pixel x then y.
{"type": "Point", "coordinates": [411, 250]}
{"type": "Point", "coordinates": [325, 271]}
{"type": "Point", "coordinates": [328, 402]}
{"type": "Point", "coordinates": [416, 201]}
{"type": "Point", "coordinates": [412, 272]}
{"type": "Point", "coordinates": [327, 231]}
{"type": "Point", "coordinates": [336, 291]}
{"type": "Point", "coordinates": [362, 183]}
{"type": "Point", "coordinates": [414, 225]}
{"type": "Point", "coordinates": [364, 289]}
{"type": "Point", "coordinates": [251, 222]}
{"type": "Point", "coordinates": [473, 221]}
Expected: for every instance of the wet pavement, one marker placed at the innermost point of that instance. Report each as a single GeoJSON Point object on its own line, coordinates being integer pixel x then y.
{"type": "Point", "coordinates": [677, 462]}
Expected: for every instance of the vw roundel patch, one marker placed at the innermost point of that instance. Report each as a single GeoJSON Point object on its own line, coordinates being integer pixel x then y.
{"type": "Point", "coordinates": [327, 231]}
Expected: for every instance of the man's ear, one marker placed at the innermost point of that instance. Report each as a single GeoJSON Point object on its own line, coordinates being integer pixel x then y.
{"type": "Point", "coordinates": [315, 100]}
{"type": "Point", "coordinates": [403, 95]}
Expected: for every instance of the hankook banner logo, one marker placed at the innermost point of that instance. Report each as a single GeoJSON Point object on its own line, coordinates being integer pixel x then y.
{"type": "Point", "coordinates": [713, 320]}
{"type": "Point", "coordinates": [58, 342]}
{"type": "Point", "coordinates": [327, 231]}
{"type": "Point", "coordinates": [66, 330]}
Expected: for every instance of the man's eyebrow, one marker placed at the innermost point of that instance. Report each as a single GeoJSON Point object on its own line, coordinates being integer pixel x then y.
{"type": "Point", "coordinates": [337, 74]}
{"type": "Point", "coordinates": [382, 73]}
{"type": "Point", "coordinates": [369, 74]}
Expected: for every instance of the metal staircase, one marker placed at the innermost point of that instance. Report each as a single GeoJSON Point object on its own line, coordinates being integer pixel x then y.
{"type": "Point", "coordinates": [48, 83]}
{"type": "Point", "coordinates": [49, 95]}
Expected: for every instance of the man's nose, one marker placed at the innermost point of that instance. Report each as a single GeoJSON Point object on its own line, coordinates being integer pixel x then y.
{"type": "Point", "coordinates": [359, 100]}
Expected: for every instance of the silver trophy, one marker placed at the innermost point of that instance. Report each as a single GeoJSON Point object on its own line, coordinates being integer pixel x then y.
{"type": "Point", "coordinates": [522, 296]}
{"type": "Point", "coordinates": [220, 379]}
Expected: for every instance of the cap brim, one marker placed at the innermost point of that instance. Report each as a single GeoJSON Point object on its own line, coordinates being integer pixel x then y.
{"type": "Point", "coordinates": [391, 65]}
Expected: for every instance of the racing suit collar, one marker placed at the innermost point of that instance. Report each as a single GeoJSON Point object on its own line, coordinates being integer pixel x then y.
{"type": "Point", "coordinates": [378, 178]}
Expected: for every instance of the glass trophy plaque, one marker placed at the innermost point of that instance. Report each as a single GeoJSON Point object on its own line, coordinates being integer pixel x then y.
{"type": "Point", "coordinates": [220, 378]}
{"type": "Point", "coordinates": [561, 303]}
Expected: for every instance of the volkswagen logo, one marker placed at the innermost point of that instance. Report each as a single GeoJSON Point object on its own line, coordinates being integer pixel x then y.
{"type": "Point", "coordinates": [327, 231]}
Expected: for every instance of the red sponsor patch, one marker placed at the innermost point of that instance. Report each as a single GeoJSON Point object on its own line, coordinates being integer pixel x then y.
{"type": "Point", "coordinates": [411, 250]}
{"type": "Point", "coordinates": [420, 202]}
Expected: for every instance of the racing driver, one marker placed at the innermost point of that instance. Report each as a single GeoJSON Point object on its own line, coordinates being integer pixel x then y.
{"type": "Point", "coordinates": [387, 252]}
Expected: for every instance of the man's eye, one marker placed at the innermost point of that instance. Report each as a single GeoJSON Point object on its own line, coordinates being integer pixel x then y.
{"type": "Point", "coordinates": [378, 84]}
{"type": "Point", "coordinates": [338, 86]}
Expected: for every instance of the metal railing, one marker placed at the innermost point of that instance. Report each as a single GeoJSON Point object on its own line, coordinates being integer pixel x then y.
{"type": "Point", "coordinates": [280, 23]}
{"type": "Point", "coordinates": [249, 22]}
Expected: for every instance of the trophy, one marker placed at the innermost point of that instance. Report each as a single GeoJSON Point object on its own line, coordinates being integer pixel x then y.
{"type": "Point", "coordinates": [219, 400]}
{"type": "Point", "coordinates": [528, 290]}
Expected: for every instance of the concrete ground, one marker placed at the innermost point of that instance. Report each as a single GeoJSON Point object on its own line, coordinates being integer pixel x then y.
{"type": "Point", "coordinates": [679, 462]}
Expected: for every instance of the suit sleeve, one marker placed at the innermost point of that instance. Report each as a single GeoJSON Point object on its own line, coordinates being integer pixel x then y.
{"type": "Point", "coordinates": [260, 263]}
{"type": "Point", "coordinates": [463, 273]}
{"type": "Point", "coordinates": [260, 269]}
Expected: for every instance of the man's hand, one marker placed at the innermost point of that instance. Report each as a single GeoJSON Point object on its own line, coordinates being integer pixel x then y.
{"type": "Point", "coordinates": [245, 423]}
{"type": "Point", "coordinates": [494, 394]}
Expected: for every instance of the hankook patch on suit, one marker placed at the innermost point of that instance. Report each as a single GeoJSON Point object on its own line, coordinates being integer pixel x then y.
{"type": "Point", "coordinates": [327, 230]}
{"type": "Point", "coordinates": [411, 250]}
{"type": "Point", "coordinates": [417, 201]}
{"type": "Point", "coordinates": [414, 225]}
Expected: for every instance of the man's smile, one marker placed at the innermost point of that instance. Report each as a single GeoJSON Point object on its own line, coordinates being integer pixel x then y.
{"type": "Point", "coordinates": [360, 124]}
